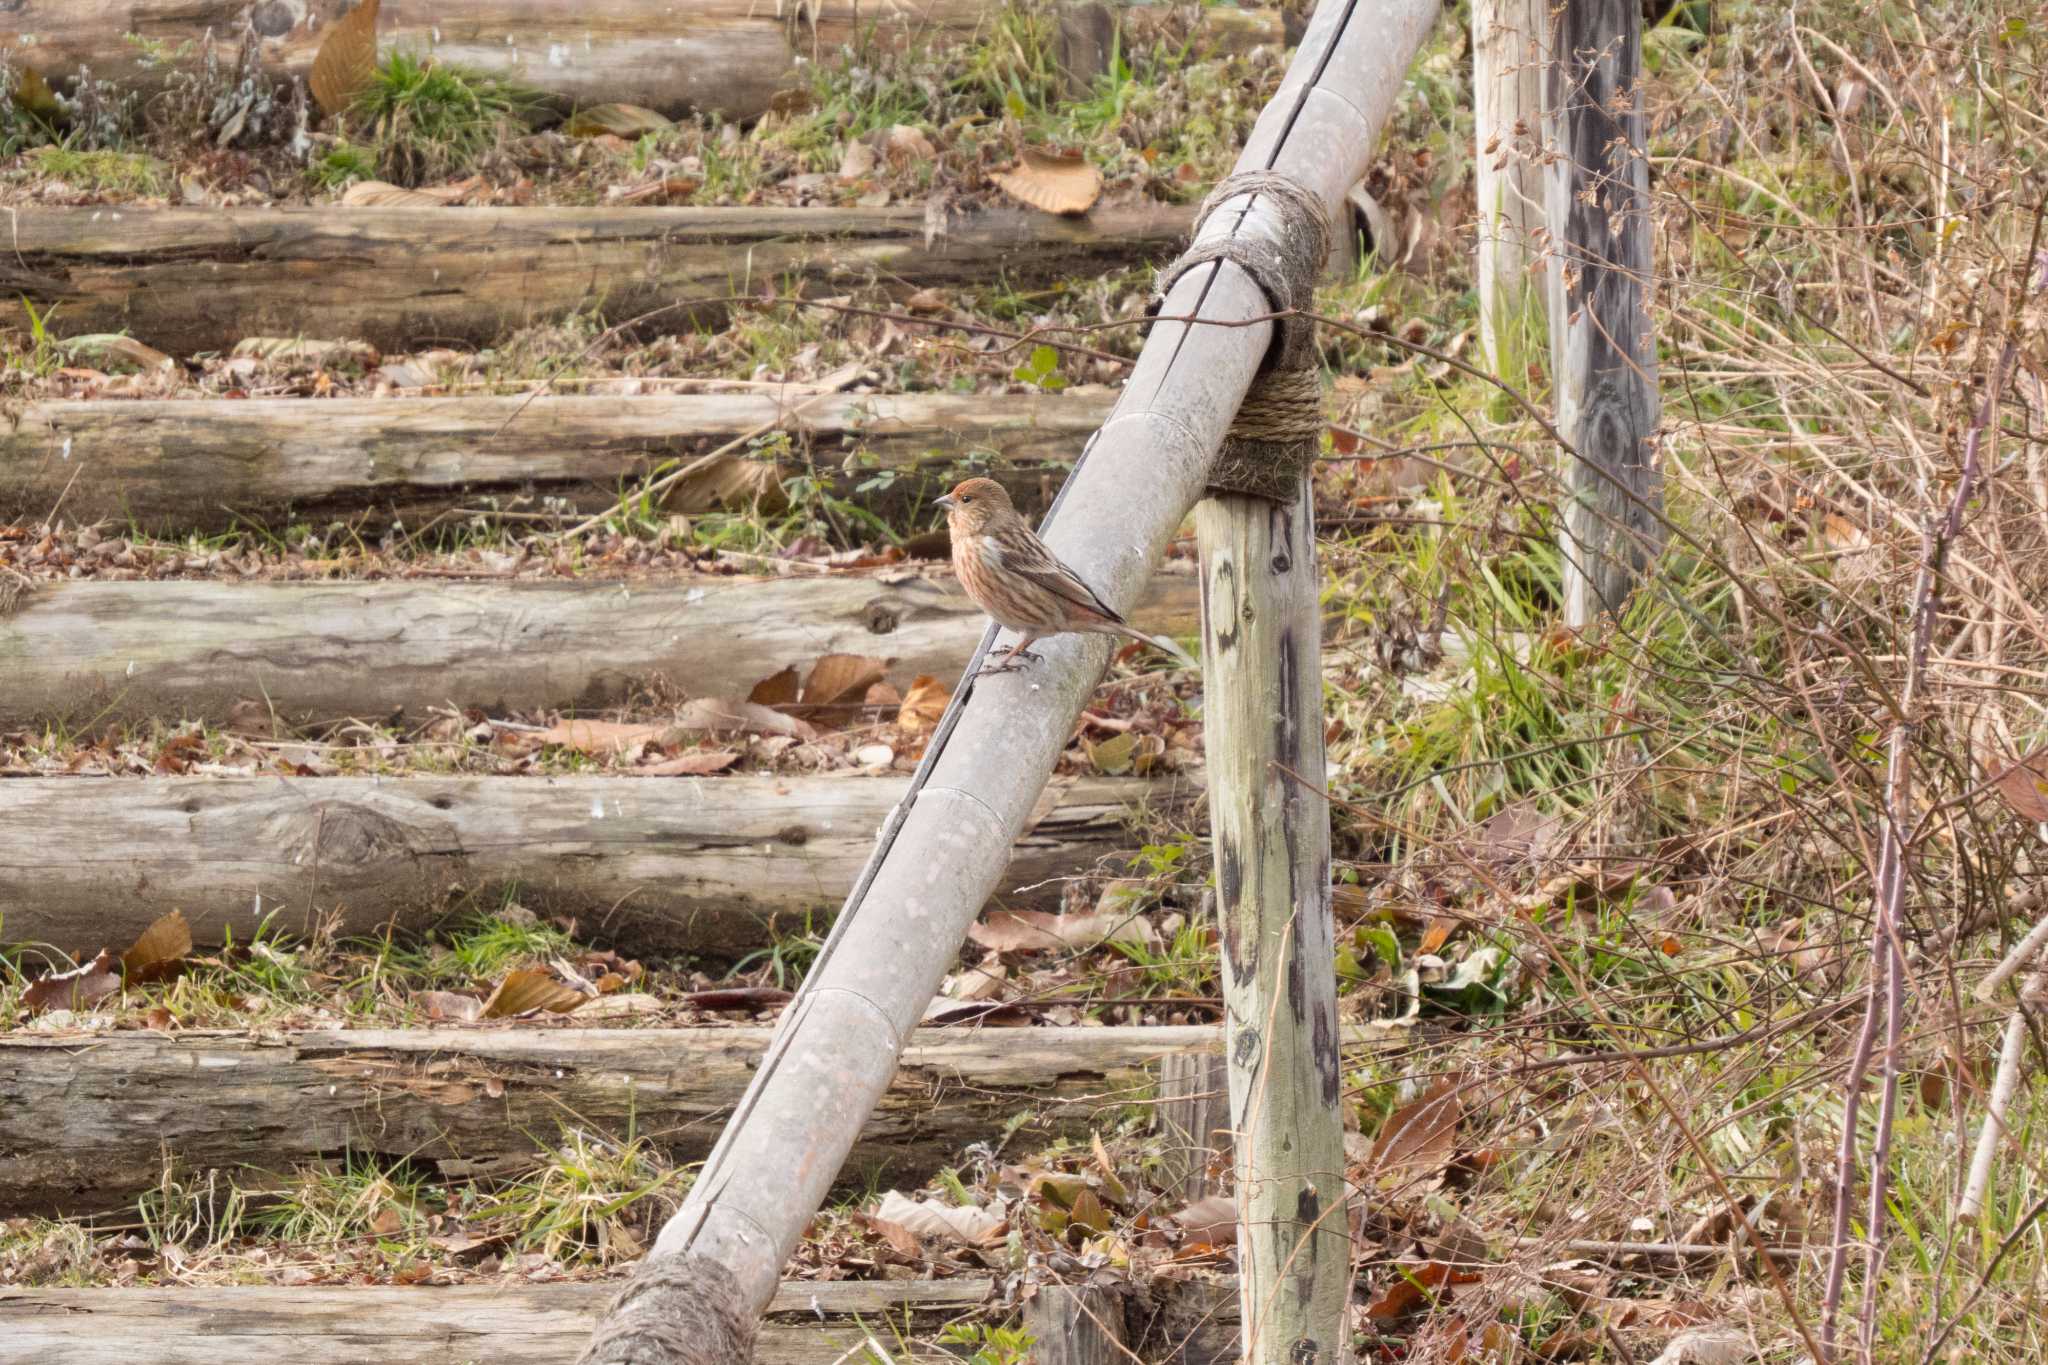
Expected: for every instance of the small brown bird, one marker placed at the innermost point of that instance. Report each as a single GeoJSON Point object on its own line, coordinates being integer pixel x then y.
{"type": "Point", "coordinates": [1012, 576]}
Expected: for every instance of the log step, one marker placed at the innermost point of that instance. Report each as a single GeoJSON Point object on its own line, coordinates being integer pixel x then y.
{"type": "Point", "coordinates": [810, 1322]}
{"type": "Point", "coordinates": [186, 280]}
{"type": "Point", "coordinates": [104, 651]}
{"type": "Point", "coordinates": [714, 866]}
{"type": "Point", "coordinates": [170, 467]}
{"type": "Point", "coordinates": [86, 1121]}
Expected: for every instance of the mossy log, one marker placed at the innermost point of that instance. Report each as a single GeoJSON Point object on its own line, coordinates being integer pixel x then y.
{"type": "Point", "coordinates": [715, 866]}
{"type": "Point", "coordinates": [90, 1120]}
{"type": "Point", "coordinates": [172, 467]}
{"type": "Point", "coordinates": [95, 652]}
{"type": "Point", "coordinates": [186, 280]}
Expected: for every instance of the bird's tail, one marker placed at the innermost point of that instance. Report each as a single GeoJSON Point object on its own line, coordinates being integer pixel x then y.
{"type": "Point", "coordinates": [1164, 646]}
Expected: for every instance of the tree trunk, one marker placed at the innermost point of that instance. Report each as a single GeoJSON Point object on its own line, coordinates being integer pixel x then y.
{"type": "Point", "coordinates": [99, 652]}
{"type": "Point", "coordinates": [186, 280]}
{"type": "Point", "coordinates": [1603, 353]}
{"type": "Point", "coordinates": [716, 866]}
{"type": "Point", "coordinates": [175, 467]}
{"type": "Point", "coordinates": [1263, 734]}
{"type": "Point", "coordinates": [1507, 87]}
{"type": "Point", "coordinates": [726, 56]}
{"type": "Point", "coordinates": [87, 1121]}
{"type": "Point", "coordinates": [810, 1322]}
{"type": "Point", "coordinates": [940, 857]}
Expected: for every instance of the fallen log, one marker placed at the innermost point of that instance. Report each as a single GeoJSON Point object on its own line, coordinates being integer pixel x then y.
{"type": "Point", "coordinates": [89, 1121]}
{"type": "Point", "coordinates": [727, 56]}
{"type": "Point", "coordinates": [186, 280]}
{"type": "Point", "coordinates": [94, 652]}
{"type": "Point", "coordinates": [175, 467]}
{"type": "Point", "coordinates": [714, 866]}
{"type": "Point", "coordinates": [809, 1322]}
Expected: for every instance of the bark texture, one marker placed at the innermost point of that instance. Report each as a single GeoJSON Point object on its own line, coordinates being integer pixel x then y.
{"type": "Point", "coordinates": [717, 865]}
{"type": "Point", "coordinates": [1263, 731]}
{"type": "Point", "coordinates": [729, 56]}
{"type": "Point", "coordinates": [186, 280]}
{"type": "Point", "coordinates": [1603, 353]}
{"type": "Point", "coordinates": [174, 467]}
{"type": "Point", "coordinates": [97, 651]}
{"type": "Point", "coordinates": [87, 1121]}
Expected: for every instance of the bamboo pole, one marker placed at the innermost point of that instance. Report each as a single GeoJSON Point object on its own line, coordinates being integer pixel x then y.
{"type": "Point", "coordinates": [1603, 354]}
{"type": "Point", "coordinates": [1263, 733]}
{"type": "Point", "coordinates": [1507, 100]}
{"type": "Point", "coordinates": [941, 854]}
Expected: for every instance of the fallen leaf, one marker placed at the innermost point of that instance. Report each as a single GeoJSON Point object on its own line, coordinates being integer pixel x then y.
{"type": "Point", "coordinates": [983, 982]}
{"type": "Point", "coordinates": [1113, 757]}
{"type": "Point", "coordinates": [1416, 1287]}
{"type": "Point", "coordinates": [737, 998]}
{"type": "Point", "coordinates": [1419, 1138]}
{"type": "Point", "coordinates": [901, 1239]}
{"type": "Point", "coordinates": [1212, 1220]}
{"type": "Point", "coordinates": [719, 717]}
{"type": "Point", "coordinates": [377, 194]}
{"type": "Point", "coordinates": [696, 763]}
{"type": "Point", "coordinates": [160, 950]}
{"type": "Point", "coordinates": [387, 1221]}
{"type": "Point", "coordinates": [929, 300]}
{"type": "Point", "coordinates": [666, 188]}
{"type": "Point", "coordinates": [103, 348]}
{"type": "Point", "coordinates": [620, 120]}
{"type": "Point", "coordinates": [347, 59]}
{"type": "Point", "coordinates": [905, 145]}
{"type": "Point", "coordinates": [78, 989]}
{"type": "Point", "coordinates": [624, 1005]}
{"type": "Point", "coordinates": [2024, 785]}
{"type": "Point", "coordinates": [923, 704]}
{"type": "Point", "coordinates": [1011, 931]}
{"type": "Point", "coordinates": [858, 161]}
{"type": "Point", "coordinates": [307, 351]}
{"type": "Point", "coordinates": [930, 1218]}
{"type": "Point", "coordinates": [841, 680]}
{"type": "Point", "coordinates": [600, 736]}
{"type": "Point", "coordinates": [1111, 1186]}
{"type": "Point", "coordinates": [449, 1005]}
{"type": "Point", "coordinates": [1055, 184]}
{"type": "Point", "coordinates": [528, 989]}
{"type": "Point", "coordinates": [725, 482]}
{"type": "Point", "coordinates": [33, 94]}
{"type": "Point", "coordinates": [778, 689]}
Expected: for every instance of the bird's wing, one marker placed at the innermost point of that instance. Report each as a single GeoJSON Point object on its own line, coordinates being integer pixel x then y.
{"type": "Point", "coordinates": [1030, 559]}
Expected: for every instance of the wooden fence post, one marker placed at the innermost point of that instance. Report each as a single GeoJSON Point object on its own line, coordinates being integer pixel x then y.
{"type": "Point", "coordinates": [1263, 736]}
{"type": "Point", "coordinates": [1603, 354]}
{"type": "Point", "coordinates": [1507, 106]}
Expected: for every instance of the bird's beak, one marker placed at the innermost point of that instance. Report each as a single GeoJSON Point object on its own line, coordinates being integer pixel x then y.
{"type": "Point", "coordinates": [945, 502]}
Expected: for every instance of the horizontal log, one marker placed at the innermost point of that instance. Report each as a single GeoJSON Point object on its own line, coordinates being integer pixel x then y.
{"type": "Point", "coordinates": [810, 1322]}
{"type": "Point", "coordinates": [186, 280]}
{"type": "Point", "coordinates": [86, 1122]}
{"type": "Point", "coordinates": [730, 56]}
{"type": "Point", "coordinates": [93, 651]}
{"type": "Point", "coordinates": [173, 467]}
{"type": "Point", "coordinates": [715, 866]}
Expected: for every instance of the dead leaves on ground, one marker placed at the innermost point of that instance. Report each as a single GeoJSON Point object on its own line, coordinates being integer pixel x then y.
{"type": "Point", "coordinates": [159, 953]}
{"type": "Point", "coordinates": [1051, 182]}
{"type": "Point", "coordinates": [347, 59]}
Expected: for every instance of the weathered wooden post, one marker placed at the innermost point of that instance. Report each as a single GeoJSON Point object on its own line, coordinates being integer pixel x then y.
{"type": "Point", "coordinates": [1603, 354]}
{"type": "Point", "coordinates": [1508, 61]}
{"type": "Point", "coordinates": [718, 1261]}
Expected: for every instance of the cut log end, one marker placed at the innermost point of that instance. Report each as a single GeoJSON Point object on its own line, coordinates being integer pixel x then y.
{"type": "Point", "coordinates": [676, 1310]}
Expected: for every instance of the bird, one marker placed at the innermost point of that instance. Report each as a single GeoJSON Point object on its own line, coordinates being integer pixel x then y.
{"type": "Point", "coordinates": [1010, 574]}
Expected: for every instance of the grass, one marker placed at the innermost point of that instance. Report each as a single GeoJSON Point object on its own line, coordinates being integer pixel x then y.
{"type": "Point", "coordinates": [428, 119]}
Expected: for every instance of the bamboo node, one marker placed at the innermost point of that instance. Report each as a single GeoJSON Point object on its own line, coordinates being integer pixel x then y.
{"type": "Point", "coordinates": [1277, 433]}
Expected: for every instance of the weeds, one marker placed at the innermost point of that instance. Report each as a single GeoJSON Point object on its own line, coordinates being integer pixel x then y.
{"type": "Point", "coordinates": [428, 120]}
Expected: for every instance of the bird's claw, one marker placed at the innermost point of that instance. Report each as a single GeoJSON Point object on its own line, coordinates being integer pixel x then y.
{"type": "Point", "coordinates": [1013, 652]}
{"type": "Point", "coordinates": [990, 670]}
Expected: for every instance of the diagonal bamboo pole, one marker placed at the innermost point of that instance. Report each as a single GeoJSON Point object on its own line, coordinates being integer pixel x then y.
{"type": "Point", "coordinates": [943, 850]}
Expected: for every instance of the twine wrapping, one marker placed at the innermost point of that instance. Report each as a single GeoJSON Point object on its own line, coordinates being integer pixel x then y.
{"type": "Point", "coordinates": [1277, 433]}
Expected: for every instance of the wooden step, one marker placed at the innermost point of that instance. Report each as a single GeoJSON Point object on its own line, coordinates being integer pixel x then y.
{"type": "Point", "coordinates": [186, 280]}
{"type": "Point", "coordinates": [172, 467]}
{"type": "Point", "coordinates": [93, 651]}
{"type": "Point", "coordinates": [87, 1120]}
{"type": "Point", "coordinates": [713, 865]}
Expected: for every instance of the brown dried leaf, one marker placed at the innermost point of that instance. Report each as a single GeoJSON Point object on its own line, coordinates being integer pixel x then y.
{"type": "Point", "coordinates": [841, 680]}
{"type": "Point", "coordinates": [737, 998]}
{"type": "Point", "coordinates": [696, 763]}
{"type": "Point", "coordinates": [600, 736]}
{"type": "Point", "coordinates": [930, 1218]}
{"type": "Point", "coordinates": [2024, 785]}
{"type": "Point", "coordinates": [924, 703]}
{"type": "Point", "coordinates": [160, 950]}
{"type": "Point", "coordinates": [377, 194]}
{"type": "Point", "coordinates": [1013, 931]}
{"type": "Point", "coordinates": [33, 94]}
{"type": "Point", "coordinates": [778, 689]}
{"type": "Point", "coordinates": [1419, 1138]}
{"type": "Point", "coordinates": [529, 989]}
{"type": "Point", "coordinates": [347, 59]}
{"type": "Point", "coordinates": [1415, 1287]}
{"type": "Point", "coordinates": [1212, 1220]}
{"type": "Point", "coordinates": [1115, 755]}
{"type": "Point", "coordinates": [901, 1239]}
{"type": "Point", "coordinates": [727, 482]}
{"type": "Point", "coordinates": [79, 989]}
{"type": "Point", "coordinates": [1055, 184]}
{"type": "Point", "coordinates": [718, 716]}
{"type": "Point", "coordinates": [620, 120]}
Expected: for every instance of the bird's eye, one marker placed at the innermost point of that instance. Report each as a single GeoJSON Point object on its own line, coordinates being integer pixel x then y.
{"type": "Point", "coordinates": [967, 497]}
